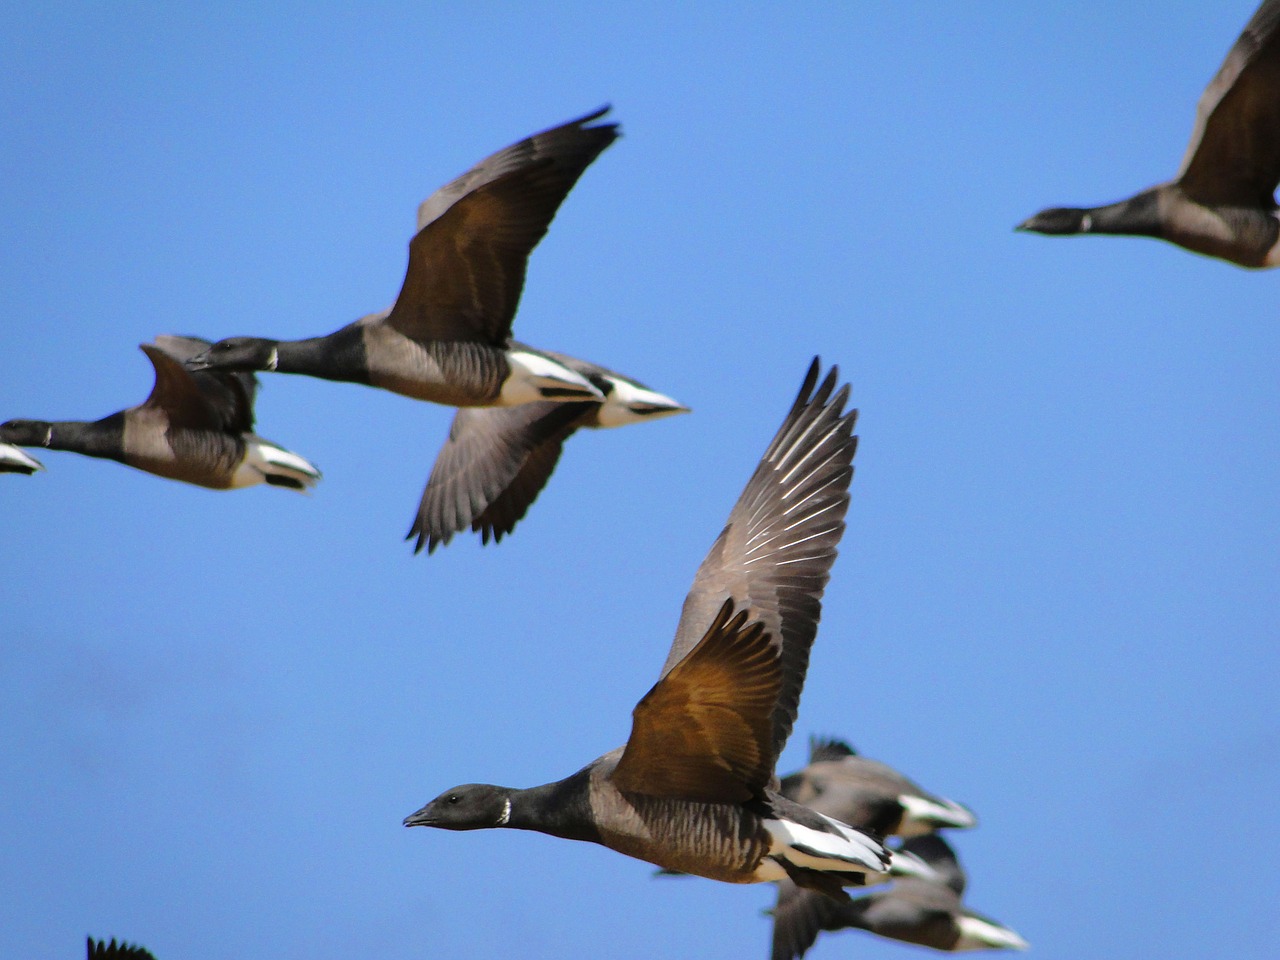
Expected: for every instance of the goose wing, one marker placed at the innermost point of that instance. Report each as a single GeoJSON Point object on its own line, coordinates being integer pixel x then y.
{"type": "Point", "coordinates": [1234, 154]}
{"type": "Point", "coordinates": [467, 261]}
{"type": "Point", "coordinates": [491, 469]}
{"type": "Point", "coordinates": [703, 732]}
{"type": "Point", "coordinates": [228, 395]}
{"type": "Point", "coordinates": [774, 556]}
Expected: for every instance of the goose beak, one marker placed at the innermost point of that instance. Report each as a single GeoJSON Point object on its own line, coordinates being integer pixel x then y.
{"type": "Point", "coordinates": [419, 818]}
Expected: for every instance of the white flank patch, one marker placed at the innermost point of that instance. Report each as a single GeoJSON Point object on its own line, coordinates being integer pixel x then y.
{"type": "Point", "coordinates": [850, 851]}
{"type": "Point", "coordinates": [506, 813]}
{"type": "Point", "coordinates": [1086, 223]}
{"type": "Point", "coordinates": [273, 360]}
{"type": "Point", "coordinates": [263, 459]}
{"type": "Point", "coordinates": [531, 373]}
{"type": "Point", "coordinates": [922, 815]}
{"type": "Point", "coordinates": [979, 934]}
{"type": "Point", "coordinates": [628, 403]}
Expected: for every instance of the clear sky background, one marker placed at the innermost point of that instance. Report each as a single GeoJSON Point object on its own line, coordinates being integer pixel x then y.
{"type": "Point", "coordinates": [1056, 600]}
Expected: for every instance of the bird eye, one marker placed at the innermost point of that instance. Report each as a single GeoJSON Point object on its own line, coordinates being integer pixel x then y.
{"type": "Point", "coordinates": [452, 798]}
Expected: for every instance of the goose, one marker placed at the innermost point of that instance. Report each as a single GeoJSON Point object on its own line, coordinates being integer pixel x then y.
{"type": "Point", "coordinates": [1222, 201]}
{"type": "Point", "coordinates": [194, 427]}
{"type": "Point", "coordinates": [870, 795]}
{"type": "Point", "coordinates": [928, 912]}
{"type": "Point", "coordinates": [101, 950]}
{"type": "Point", "coordinates": [691, 790]}
{"type": "Point", "coordinates": [497, 459]}
{"type": "Point", "coordinates": [447, 337]}
{"type": "Point", "coordinates": [14, 460]}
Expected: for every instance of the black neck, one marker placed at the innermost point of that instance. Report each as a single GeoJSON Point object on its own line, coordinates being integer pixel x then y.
{"type": "Point", "coordinates": [562, 809]}
{"type": "Point", "coordinates": [1137, 216]}
{"type": "Point", "coordinates": [98, 438]}
{"type": "Point", "coordinates": [338, 356]}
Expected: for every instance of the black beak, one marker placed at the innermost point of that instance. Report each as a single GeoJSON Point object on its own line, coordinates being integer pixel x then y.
{"type": "Point", "coordinates": [419, 818]}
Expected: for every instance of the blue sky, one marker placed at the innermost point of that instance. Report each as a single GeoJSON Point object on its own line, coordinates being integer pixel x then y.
{"type": "Point", "coordinates": [1056, 600]}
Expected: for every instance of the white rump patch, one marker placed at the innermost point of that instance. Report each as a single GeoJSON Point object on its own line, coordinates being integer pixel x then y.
{"type": "Point", "coordinates": [921, 815]}
{"type": "Point", "coordinates": [532, 373]}
{"type": "Point", "coordinates": [628, 403]}
{"type": "Point", "coordinates": [979, 934]}
{"type": "Point", "coordinates": [18, 457]}
{"type": "Point", "coordinates": [264, 459]}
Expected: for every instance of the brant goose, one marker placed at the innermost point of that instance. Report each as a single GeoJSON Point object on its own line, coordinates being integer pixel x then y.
{"type": "Point", "coordinates": [691, 790]}
{"type": "Point", "coordinates": [1222, 201]}
{"type": "Point", "coordinates": [13, 460]}
{"type": "Point", "coordinates": [447, 338]}
{"type": "Point", "coordinates": [870, 795]}
{"type": "Point", "coordinates": [195, 427]}
{"type": "Point", "coordinates": [921, 911]}
{"type": "Point", "coordinates": [497, 459]}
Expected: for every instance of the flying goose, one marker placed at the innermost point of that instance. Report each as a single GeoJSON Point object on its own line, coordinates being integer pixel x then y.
{"type": "Point", "coordinates": [1222, 201]}
{"type": "Point", "coordinates": [497, 459]}
{"type": "Point", "coordinates": [928, 912]}
{"type": "Point", "coordinates": [870, 795]}
{"type": "Point", "coordinates": [195, 427]}
{"type": "Point", "coordinates": [13, 460]}
{"type": "Point", "coordinates": [447, 337]}
{"type": "Point", "coordinates": [691, 790]}
{"type": "Point", "coordinates": [101, 950]}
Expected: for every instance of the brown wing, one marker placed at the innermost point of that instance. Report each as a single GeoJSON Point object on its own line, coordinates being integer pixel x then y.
{"type": "Point", "coordinates": [703, 732]}
{"type": "Point", "coordinates": [774, 556]}
{"type": "Point", "coordinates": [493, 466]}
{"type": "Point", "coordinates": [229, 395]}
{"type": "Point", "coordinates": [467, 263]}
{"type": "Point", "coordinates": [175, 392]}
{"type": "Point", "coordinates": [1234, 154]}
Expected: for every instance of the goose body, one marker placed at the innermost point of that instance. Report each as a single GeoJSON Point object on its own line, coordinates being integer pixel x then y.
{"type": "Point", "coordinates": [194, 427]}
{"type": "Point", "coordinates": [447, 338]}
{"type": "Point", "coordinates": [692, 789]}
{"type": "Point", "coordinates": [871, 795]}
{"type": "Point", "coordinates": [1222, 201]}
{"type": "Point", "coordinates": [927, 912]}
{"type": "Point", "coordinates": [497, 459]}
{"type": "Point", "coordinates": [15, 460]}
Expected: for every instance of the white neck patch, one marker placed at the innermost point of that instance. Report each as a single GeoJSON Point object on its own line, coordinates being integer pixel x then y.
{"type": "Point", "coordinates": [506, 813]}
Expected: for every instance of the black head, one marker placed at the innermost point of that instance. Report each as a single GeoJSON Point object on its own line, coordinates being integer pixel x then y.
{"type": "Point", "coordinates": [26, 433]}
{"type": "Point", "coordinates": [472, 806]}
{"type": "Point", "coordinates": [1058, 221]}
{"type": "Point", "coordinates": [237, 353]}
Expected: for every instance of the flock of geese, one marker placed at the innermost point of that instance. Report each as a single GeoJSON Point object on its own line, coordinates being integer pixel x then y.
{"type": "Point", "coordinates": [694, 789]}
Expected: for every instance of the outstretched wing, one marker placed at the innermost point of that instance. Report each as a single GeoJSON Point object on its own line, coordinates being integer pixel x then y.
{"type": "Point", "coordinates": [703, 732]}
{"type": "Point", "coordinates": [491, 469]}
{"type": "Point", "coordinates": [774, 556]}
{"type": "Point", "coordinates": [1234, 154]}
{"type": "Point", "coordinates": [467, 261]}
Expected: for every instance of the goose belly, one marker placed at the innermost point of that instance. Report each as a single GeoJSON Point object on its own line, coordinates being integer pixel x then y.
{"type": "Point", "coordinates": [453, 373]}
{"type": "Point", "coordinates": [205, 459]}
{"type": "Point", "coordinates": [716, 841]}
